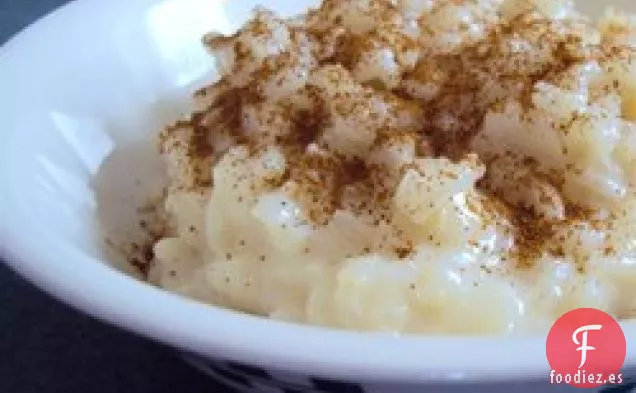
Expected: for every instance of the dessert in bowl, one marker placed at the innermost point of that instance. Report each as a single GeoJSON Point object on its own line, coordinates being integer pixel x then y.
{"type": "Point", "coordinates": [412, 168]}
{"type": "Point", "coordinates": [409, 167]}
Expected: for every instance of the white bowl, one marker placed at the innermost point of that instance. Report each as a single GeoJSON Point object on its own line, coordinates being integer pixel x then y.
{"type": "Point", "coordinates": [86, 87]}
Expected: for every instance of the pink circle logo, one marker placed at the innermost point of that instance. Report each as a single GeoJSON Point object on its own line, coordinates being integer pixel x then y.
{"type": "Point", "coordinates": [586, 348]}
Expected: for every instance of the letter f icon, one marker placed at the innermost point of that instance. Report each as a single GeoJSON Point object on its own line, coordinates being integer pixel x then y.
{"type": "Point", "coordinates": [583, 344]}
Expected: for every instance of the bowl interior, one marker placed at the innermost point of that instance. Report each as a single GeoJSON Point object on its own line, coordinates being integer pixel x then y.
{"type": "Point", "coordinates": [83, 153]}
{"type": "Point", "coordinates": [83, 94]}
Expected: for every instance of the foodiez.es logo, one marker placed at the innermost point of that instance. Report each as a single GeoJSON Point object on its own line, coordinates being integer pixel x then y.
{"type": "Point", "coordinates": [586, 348]}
